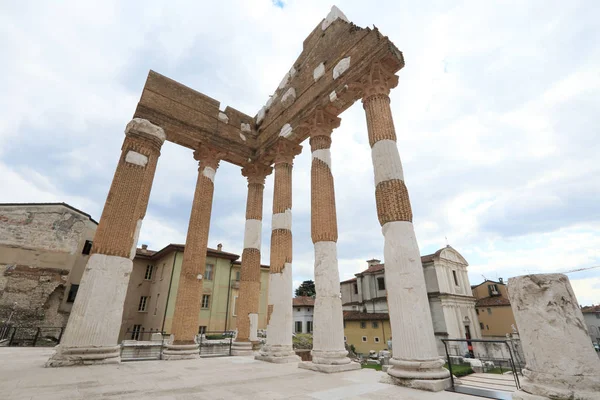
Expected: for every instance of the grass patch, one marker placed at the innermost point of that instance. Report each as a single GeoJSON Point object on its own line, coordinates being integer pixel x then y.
{"type": "Point", "coordinates": [497, 370]}
{"type": "Point", "coordinates": [376, 367]}
{"type": "Point", "coordinates": [460, 370]}
{"type": "Point", "coordinates": [215, 337]}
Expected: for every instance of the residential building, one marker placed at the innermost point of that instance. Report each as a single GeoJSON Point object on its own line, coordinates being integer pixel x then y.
{"type": "Point", "coordinates": [367, 331]}
{"type": "Point", "coordinates": [152, 291]}
{"type": "Point", "coordinates": [451, 302]}
{"type": "Point", "coordinates": [493, 309]}
{"type": "Point", "coordinates": [44, 248]}
{"type": "Point", "coordinates": [591, 315]}
{"type": "Point", "coordinates": [303, 310]}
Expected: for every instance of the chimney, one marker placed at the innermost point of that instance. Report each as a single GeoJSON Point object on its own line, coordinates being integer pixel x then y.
{"type": "Point", "coordinates": [144, 247]}
{"type": "Point", "coordinates": [372, 262]}
{"type": "Point", "coordinates": [219, 247]}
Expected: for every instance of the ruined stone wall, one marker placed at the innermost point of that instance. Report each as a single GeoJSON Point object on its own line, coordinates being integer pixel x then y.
{"type": "Point", "coordinates": [40, 257]}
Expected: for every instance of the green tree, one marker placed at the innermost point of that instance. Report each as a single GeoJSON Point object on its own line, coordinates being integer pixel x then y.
{"type": "Point", "coordinates": [307, 288]}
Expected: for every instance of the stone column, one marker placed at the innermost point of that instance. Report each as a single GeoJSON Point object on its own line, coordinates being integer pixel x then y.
{"type": "Point", "coordinates": [278, 348]}
{"type": "Point", "coordinates": [91, 335]}
{"type": "Point", "coordinates": [329, 352]}
{"type": "Point", "coordinates": [561, 362]}
{"type": "Point", "coordinates": [249, 297]}
{"type": "Point", "coordinates": [415, 362]}
{"type": "Point", "coordinates": [189, 294]}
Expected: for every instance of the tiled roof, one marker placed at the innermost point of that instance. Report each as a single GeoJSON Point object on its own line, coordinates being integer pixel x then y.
{"type": "Point", "coordinates": [303, 301]}
{"type": "Point", "coordinates": [492, 301]}
{"type": "Point", "coordinates": [181, 247]}
{"type": "Point", "coordinates": [591, 309]}
{"type": "Point", "coordinates": [50, 204]}
{"type": "Point", "coordinates": [349, 280]}
{"type": "Point", "coordinates": [380, 267]}
{"type": "Point", "coordinates": [352, 303]}
{"type": "Point", "coordinates": [363, 316]}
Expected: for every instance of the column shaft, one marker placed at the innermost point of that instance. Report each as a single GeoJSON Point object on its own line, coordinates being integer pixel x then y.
{"type": "Point", "coordinates": [329, 353]}
{"type": "Point", "coordinates": [278, 348]}
{"type": "Point", "coordinates": [92, 331]}
{"type": "Point", "coordinates": [249, 297]}
{"type": "Point", "coordinates": [415, 359]}
{"type": "Point", "coordinates": [189, 293]}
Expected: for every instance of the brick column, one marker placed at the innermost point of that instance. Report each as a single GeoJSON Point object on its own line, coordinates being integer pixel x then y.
{"type": "Point", "coordinates": [278, 348]}
{"type": "Point", "coordinates": [329, 352]}
{"type": "Point", "coordinates": [189, 294]}
{"type": "Point", "coordinates": [91, 335]}
{"type": "Point", "coordinates": [415, 362]}
{"type": "Point", "coordinates": [249, 297]}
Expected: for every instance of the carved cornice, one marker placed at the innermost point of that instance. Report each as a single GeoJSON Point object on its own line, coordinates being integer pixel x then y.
{"type": "Point", "coordinates": [284, 151]}
{"type": "Point", "coordinates": [208, 156]}
{"type": "Point", "coordinates": [256, 172]}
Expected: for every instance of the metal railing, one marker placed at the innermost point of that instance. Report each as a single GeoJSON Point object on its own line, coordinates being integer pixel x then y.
{"type": "Point", "coordinates": [143, 344]}
{"type": "Point", "coordinates": [41, 336]}
{"type": "Point", "coordinates": [215, 343]}
{"type": "Point", "coordinates": [512, 365]}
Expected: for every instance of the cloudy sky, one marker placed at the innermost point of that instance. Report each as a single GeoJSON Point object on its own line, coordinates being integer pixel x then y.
{"type": "Point", "coordinates": [496, 112]}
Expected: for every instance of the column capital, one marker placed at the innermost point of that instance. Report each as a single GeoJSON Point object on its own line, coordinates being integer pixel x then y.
{"type": "Point", "coordinates": [320, 123]}
{"type": "Point", "coordinates": [284, 151]}
{"type": "Point", "coordinates": [256, 172]}
{"type": "Point", "coordinates": [378, 81]}
{"type": "Point", "coordinates": [208, 156]}
{"type": "Point", "coordinates": [145, 132]}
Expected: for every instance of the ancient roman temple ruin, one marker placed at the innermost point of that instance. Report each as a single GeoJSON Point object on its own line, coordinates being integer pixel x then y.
{"type": "Point", "coordinates": [340, 63]}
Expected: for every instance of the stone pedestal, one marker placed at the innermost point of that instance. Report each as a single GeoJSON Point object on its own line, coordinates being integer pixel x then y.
{"type": "Point", "coordinates": [278, 348]}
{"type": "Point", "coordinates": [242, 349]}
{"type": "Point", "coordinates": [91, 335]}
{"type": "Point", "coordinates": [416, 362]}
{"type": "Point", "coordinates": [189, 293]}
{"type": "Point", "coordinates": [561, 362]}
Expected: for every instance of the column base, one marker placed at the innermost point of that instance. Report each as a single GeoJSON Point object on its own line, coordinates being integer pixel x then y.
{"type": "Point", "coordinates": [330, 357]}
{"type": "Point", "coordinates": [68, 356]}
{"type": "Point", "coordinates": [329, 368]}
{"type": "Point", "coordinates": [242, 349]}
{"type": "Point", "coordinates": [277, 354]}
{"type": "Point", "coordinates": [431, 385]}
{"type": "Point", "coordinates": [174, 352]}
{"type": "Point", "coordinates": [420, 374]}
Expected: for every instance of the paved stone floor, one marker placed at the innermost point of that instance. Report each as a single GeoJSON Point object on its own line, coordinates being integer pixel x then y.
{"type": "Point", "coordinates": [22, 376]}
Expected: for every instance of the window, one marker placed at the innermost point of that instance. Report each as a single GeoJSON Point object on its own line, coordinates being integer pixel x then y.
{"type": "Point", "coordinates": [87, 247]}
{"type": "Point", "coordinates": [299, 309]}
{"type": "Point", "coordinates": [162, 272]}
{"type": "Point", "coordinates": [364, 338]}
{"type": "Point", "coordinates": [376, 339]}
{"type": "Point", "coordinates": [72, 293]}
{"type": "Point", "coordinates": [143, 303]}
{"type": "Point", "coordinates": [205, 300]}
{"type": "Point", "coordinates": [201, 330]}
{"type": "Point", "coordinates": [477, 311]}
{"type": "Point", "coordinates": [489, 311]}
{"type": "Point", "coordinates": [238, 275]}
{"type": "Point", "coordinates": [309, 326]}
{"type": "Point", "coordinates": [363, 325]}
{"type": "Point", "coordinates": [455, 278]}
{"type": "Point", "coordinates": [355, 288]}
{"type": "Point", "coordinates": [308, 310]}
{"type": "Point", "coordinates": [381, 283]}
{"type": "Point", "coordinates": [234, 312]}
{"type": "Point", "coordinates": [135, 332]}
{"type": "Point", "coordinates": [298, 326]}
{"type": "Point", "coordinates": [208, 272]}
{"type": "Point", "coordinates": [345, 338]}
{"type": "Point", "coordinates": [487, 327]}
{"type": "Point", "coordinates": [375, 325]}
{"type": "Point", "coordinates": [493, 290]}
{"type": "Point", "coordinates": [481, 325]}
{"type": "Point", "coordinates": [149, 270]}
{"type": "Point", "coordinates": [156, 304]}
